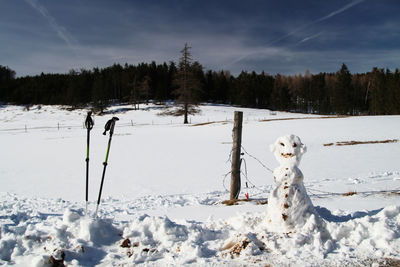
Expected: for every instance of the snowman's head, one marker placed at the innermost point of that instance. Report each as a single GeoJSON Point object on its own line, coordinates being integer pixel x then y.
{"type": "Point", "coordinates": [288, 150]}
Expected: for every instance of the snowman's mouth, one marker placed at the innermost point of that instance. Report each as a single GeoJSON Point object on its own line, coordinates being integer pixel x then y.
{"type": "Point", "coordinates": [287, 155]}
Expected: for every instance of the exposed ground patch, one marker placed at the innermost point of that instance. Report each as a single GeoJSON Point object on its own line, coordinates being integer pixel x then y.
{"type": "Point", "coordinates": [349, 194]}
{"type": "Point", "coordinates": [305, 118]}
{"type": "Point", "coordinates": [232, 202]}
{"type": "Point", "coordinates": [352, 143]}
{"type": "Point", "coordinates": [207, 123]}
{"type": "Point", "coordinates": [281, 119]}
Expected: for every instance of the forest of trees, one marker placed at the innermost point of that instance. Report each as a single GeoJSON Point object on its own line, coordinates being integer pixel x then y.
{"type": "Point", "coordinates": [375, 92]}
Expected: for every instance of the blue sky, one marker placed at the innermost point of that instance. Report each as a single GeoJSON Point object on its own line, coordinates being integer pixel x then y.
{"type": "Point", "coordinates": [286, 36]}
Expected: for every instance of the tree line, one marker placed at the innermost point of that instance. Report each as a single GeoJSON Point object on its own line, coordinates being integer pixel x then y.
{"type": "Point", "coordinates": [376, 92]}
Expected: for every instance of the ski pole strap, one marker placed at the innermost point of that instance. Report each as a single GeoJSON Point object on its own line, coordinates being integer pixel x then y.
{"type": "Point", "coordinates": [114, 119]}
{"type": "Point", "coordinates": [89, 122]}
{"type": "Point", "coordinates": [110, 126]}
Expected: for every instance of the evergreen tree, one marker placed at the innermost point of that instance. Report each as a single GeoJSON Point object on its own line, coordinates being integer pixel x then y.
{"type": "Point", "coordinates": [377, 88]}
{"type": "Point", "coordinates": [99, 92]}
{"type": "Point", "coordinates": [392, 99]}
{"type": "Point", "coordinates": [280, 97]}
{"type": "Point", "coordinates": [319, 98]}
{"type": "Point", "coordinates": [188, 86]}
{"type": "Point", "coordinates": [376, 92]}
{"type": "Point", "coordinates": [144, 89]}
{"type": "Point", "coordinates": [343, 100]}
{"type": "Point", "coordinates": [6, 76]}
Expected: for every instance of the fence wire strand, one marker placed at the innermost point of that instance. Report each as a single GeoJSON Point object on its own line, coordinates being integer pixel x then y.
{"type": "Point", "coordinates": [314, 192]}
{"type": "Point", "coordinates": [259, 161]}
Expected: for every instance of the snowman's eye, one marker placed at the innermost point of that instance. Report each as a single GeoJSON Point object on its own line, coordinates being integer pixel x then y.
{"type": "Point", "coordinates": [282, 144]}
{"type": "Point", "coordinates": [294, 145]}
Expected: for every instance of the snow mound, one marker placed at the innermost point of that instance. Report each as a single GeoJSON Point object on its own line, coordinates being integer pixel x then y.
{"type": "Point", "coordinates": [153, 238]}
{"type": "Point", "coordinates": [42, 239]}
{"type": "Point", "coordinates": [52, 229]}
{"type": "Point", "coordinates": [376, 235]}
{"type": "Point", "coordinates": [31, 238]}
{"type": "Point", "coordinates": [93, 231]}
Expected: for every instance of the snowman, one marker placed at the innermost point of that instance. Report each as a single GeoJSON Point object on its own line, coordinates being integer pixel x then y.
{"type": "Point", "coordinates": [289, 206]}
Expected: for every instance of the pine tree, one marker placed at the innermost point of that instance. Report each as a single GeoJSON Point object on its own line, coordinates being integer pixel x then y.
{"type": "Point", "coordinates": [343, 94]}
{"type": "Point", "coordinates": [378, 91]}
{"type": "Point", "coordinates": [99, 92]}
{"type": "Point", "coordinates": [6, 76]}
{"type": "Point", "coordinates": [188, 85]}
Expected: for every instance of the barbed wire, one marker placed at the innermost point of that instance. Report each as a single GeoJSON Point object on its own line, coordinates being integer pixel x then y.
{"type": "Point", "coordinates": [365, 193]}
{"type": "Point", "coordinates": [230, 156]}
{"type": "Point", "coordinates": [60, 126]}
{"type": "Point", "coordinates": [319, 194]}
{"type": "Point", "coordinates": [245, 174]}
{"type": "Point", "coordinates": [320, 191]}
{"type": "Point", "coordinates": [259, 161]}
{"type": "Point", "coordinates": [223, 181]}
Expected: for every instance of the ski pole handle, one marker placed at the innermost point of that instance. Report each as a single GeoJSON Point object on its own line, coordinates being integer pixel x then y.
{"type": "Point", "coordinates": [89, 122]}
{"type": "Point", "coordinates": [110, 126]}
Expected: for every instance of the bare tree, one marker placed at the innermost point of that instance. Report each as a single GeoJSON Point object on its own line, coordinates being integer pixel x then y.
{"type": "Point", "coordinates": [188, 85]}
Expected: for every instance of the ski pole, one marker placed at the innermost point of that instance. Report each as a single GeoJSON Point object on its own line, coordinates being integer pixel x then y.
{"type": "Point", "coordinates": [108, 127]}
{"type": "Point", "coordinates": [89, 125]}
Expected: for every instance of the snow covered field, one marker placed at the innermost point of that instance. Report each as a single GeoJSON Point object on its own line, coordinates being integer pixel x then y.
{"type": "Point", "coordinates": [165, 182]}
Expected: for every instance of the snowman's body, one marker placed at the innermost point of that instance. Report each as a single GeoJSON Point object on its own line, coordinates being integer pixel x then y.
{"type": "Point", "coordinates": [289, 206]}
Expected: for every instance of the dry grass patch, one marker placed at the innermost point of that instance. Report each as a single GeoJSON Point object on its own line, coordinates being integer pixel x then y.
{"type": "Point", "coordinates": [390, 262]}
{"type": "Point", "coordinates": [352, 143]}
{"type": "Point", "coordinates": [349, 194]}
{"type": "Point", "coordinates": [207, 123]}
{"type": "Point", "coordinates": [305, 118]}
{"type": "Point", "coordinates": [232, 202]}
{"type": "Point", "coordinates": [262, 202]}
{"type": "Point", "coordinates": [385, 262]}
{"type": "Point", "coordinates": [204, 123]}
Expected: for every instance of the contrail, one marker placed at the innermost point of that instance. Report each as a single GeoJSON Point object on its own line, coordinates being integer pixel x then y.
{"type": "Point", "coordinates": [61, 31]}
{"type": "Point", "coordinates": [340, 10]}
{"type": "Point", "coordinates": [330, 15]}
{"type": "Point", "coordinates": [310, 37]}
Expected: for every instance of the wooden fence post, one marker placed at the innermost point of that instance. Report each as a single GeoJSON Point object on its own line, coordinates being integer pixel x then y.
{"type": "Point", "coordinates": [237, 144]}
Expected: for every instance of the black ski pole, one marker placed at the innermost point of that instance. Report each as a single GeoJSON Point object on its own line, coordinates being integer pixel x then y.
{"type": "Point", "coordinates": [89, 126]}
{"type": "Point", "coordinates": [108, 127]}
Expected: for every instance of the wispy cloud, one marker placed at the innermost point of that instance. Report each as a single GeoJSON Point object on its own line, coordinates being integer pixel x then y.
{"type": "Point", "coordinates": [299, 29]}
{"type": "Point", "coordinates": [61, 31]}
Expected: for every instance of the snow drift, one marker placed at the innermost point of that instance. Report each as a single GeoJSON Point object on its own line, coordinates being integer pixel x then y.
{"type": "Point", "coordinates": [154, 213]}
{"type": "Point", "coordinates": [32, 239]}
